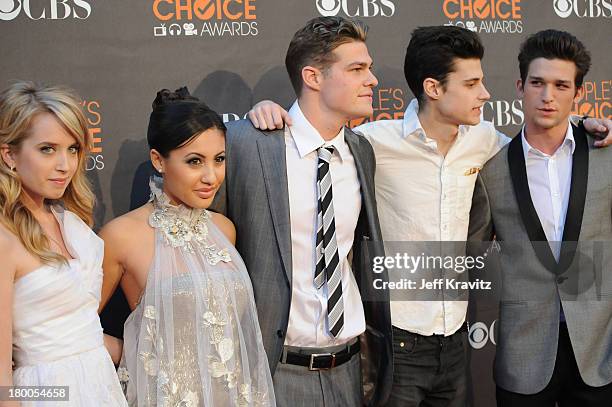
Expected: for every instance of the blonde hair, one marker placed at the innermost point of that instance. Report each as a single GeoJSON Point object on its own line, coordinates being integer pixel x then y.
{"type": "Point", "coordinates": [19, 104]}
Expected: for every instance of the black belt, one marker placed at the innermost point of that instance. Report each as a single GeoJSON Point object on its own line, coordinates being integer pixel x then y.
{"type": "Point", "coordinates": [463, 328]}
{"type": "Point", "coordinates": [322, 361]}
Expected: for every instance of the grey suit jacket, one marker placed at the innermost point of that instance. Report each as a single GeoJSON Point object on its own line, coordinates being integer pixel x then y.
{"type": "Point", "coordinates": [255, 197]}
{"type": "Point", "coordinates": [534, 283]}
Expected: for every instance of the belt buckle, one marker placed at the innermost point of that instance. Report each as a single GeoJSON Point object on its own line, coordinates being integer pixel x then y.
{"type": "Point", "coordinates": [314, 355]}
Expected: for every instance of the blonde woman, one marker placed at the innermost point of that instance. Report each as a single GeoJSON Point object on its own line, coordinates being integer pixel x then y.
{"type": "Point", "coordinates": [50, 283]}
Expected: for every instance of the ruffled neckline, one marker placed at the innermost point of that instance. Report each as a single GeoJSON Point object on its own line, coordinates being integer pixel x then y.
{"type": "Point", "coordinates": [162, 202]}
{"type": "Point", "coordinates": [183, 227]}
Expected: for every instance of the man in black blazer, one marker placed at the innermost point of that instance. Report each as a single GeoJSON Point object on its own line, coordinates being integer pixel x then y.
{"type": "Point", "coordinates": [547, 196]}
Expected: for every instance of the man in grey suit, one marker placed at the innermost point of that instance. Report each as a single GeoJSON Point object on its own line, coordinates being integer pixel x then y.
{"type": "Point", "coordinates": [304, 208]}
{"type": "Point", "coordinates": [547, 197]}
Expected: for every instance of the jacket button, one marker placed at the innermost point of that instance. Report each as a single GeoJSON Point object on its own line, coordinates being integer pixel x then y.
{"type": "Point", "coordinates": [280, 333]}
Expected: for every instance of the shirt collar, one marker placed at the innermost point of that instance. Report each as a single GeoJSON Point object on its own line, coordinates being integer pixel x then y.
{"type": "Point", "coordinates": [567, 141]}
{"type": "Point", "coordinates": [308, 139]}
{"type": "Point", "coordinates": [412, 124]}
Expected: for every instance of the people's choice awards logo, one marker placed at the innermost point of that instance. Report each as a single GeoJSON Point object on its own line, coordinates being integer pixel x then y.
{"type": "Point", "coordinates": [485, 16]}
{"type": "Point", "coordinates": [480, 334]}
{"type": "Point", "coordinates": [205, 18]}
{"type": "Point", "coordinates": [388, 103]}
{"type": "Point", "coordinates": [583, 8]}
{"type": "Point", "coordinates": [45, 9]}
{"type": "Point", "coordinates": [356, 8]}
{"type": "Point", "coordinates": [95, 159]}
{"type": "Point", "coordinates": [595, 101]}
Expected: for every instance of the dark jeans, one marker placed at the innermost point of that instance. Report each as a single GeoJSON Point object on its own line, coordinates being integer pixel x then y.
{"type": "Point", "coordinates": [429, 371]}
{"type": "Point", "coordinates": [565, 389]}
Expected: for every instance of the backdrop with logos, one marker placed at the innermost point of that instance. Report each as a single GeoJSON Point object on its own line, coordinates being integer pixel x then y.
{"type": "Point", "coordinates": [230, 53]}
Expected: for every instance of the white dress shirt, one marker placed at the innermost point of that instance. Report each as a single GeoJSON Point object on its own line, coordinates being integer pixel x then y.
{"type": "Point", "coordinates": [423, 196]}
{"type": "Point", "coordinates": [549, 178]}
{"type": "Point", "coordinates": [307, 316]}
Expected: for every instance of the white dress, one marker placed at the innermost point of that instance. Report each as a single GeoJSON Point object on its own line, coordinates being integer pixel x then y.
{"type": "Point", "coordinates": [194, 338]}
{"type": "Point", "coordinates": [57, 336]}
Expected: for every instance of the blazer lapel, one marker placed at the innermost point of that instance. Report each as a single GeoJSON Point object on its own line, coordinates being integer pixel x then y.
{"type": "Point", "coordinates": [353, 142]}
{"type": "Point", "coordinates": [274, 164]}
{"type": "Point", "coordinates": [577, 198]}
{"type": "Point", "coordinates": [531, 221]}
{"type": "Point", "coordinates": [575, 207]}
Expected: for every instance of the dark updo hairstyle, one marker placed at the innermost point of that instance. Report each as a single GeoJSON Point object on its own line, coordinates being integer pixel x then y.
{"type": "Point", "coordinates": [177, 118]}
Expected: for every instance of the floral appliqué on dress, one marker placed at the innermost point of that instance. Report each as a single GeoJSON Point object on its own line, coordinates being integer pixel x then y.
{"type": "Point", "coordinates": [184, 228]}
{"type": "Point", "coordinates": [187, 229]}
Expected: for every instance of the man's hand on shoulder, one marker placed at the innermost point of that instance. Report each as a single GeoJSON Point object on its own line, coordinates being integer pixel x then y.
{"type": "Point", "coordinates": [601, 129]}
{"type": "Point", "coordinates": [267, 115]}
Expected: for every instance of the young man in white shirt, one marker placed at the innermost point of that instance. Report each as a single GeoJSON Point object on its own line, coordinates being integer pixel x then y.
{"type": "Point", "coordinates": [426, 168]}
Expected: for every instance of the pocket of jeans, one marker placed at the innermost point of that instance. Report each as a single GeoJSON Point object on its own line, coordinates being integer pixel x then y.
{"type": "Point", "coordinates": [405, 346]}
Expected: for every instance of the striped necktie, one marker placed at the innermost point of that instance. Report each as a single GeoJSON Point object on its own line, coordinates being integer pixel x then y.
{"type": "Point", "coordinates": [328, 260]}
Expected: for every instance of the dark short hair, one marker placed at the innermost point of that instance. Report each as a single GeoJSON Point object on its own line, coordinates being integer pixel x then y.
{"type": "Point", "coordinates": [432, 51]}
{"type": "Point", "coordinates": [313, 45]}
{"type": "Point", "coordinates": [555, 44]}
{"type": "Point", "coordinates": [177, 118]}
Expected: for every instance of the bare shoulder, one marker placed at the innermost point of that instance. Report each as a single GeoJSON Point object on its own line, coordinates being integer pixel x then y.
{"type": "Point", "coordinates": [8, 240]}
{"type": "Point", "coordinates": [225, 225]}
{"type": "Point", "coordinates": [9, 243]}
{"type": "Point", "coordinates": [127, 228]}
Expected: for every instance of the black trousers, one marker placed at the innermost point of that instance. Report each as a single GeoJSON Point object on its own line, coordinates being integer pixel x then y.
{"type": "Point", "coordinates": [565, 389]}
{"type": "Point", "coordinates": [429, 371]}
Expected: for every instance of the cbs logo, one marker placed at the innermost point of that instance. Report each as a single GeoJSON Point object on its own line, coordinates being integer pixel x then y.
{"type": "Point", "coordinates": [356, 8]}
{"type": "Point", "coordinates": [583, 8]}
{"type": "Point", "coordinates": [503, 112]}
{"type": "Point", "coordinates": [480, 334]}
{"type": "Point", "coordinates": [48, 9]}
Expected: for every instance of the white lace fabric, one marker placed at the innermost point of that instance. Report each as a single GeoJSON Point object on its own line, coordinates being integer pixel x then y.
{"type": "Point", "coordinates": [194, 338]}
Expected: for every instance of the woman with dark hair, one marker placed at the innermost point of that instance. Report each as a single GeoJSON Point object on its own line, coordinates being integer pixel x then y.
{"type": "Point", "coordinates": [193, 337]}
{"type": "Point", "coordinates": [51, 268]}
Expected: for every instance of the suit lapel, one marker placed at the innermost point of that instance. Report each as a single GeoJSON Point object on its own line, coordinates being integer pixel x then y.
{"type": "Point", "coordinates": [274, 164]}
{"type": "Point", "coordinates": [531, 221]}
{"type": "Point", "coordinates": [353, 142]}
{"type": "Point", "coordinates": [575, 207]}
{"type": "Point", "coordinates": [577, 198]}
